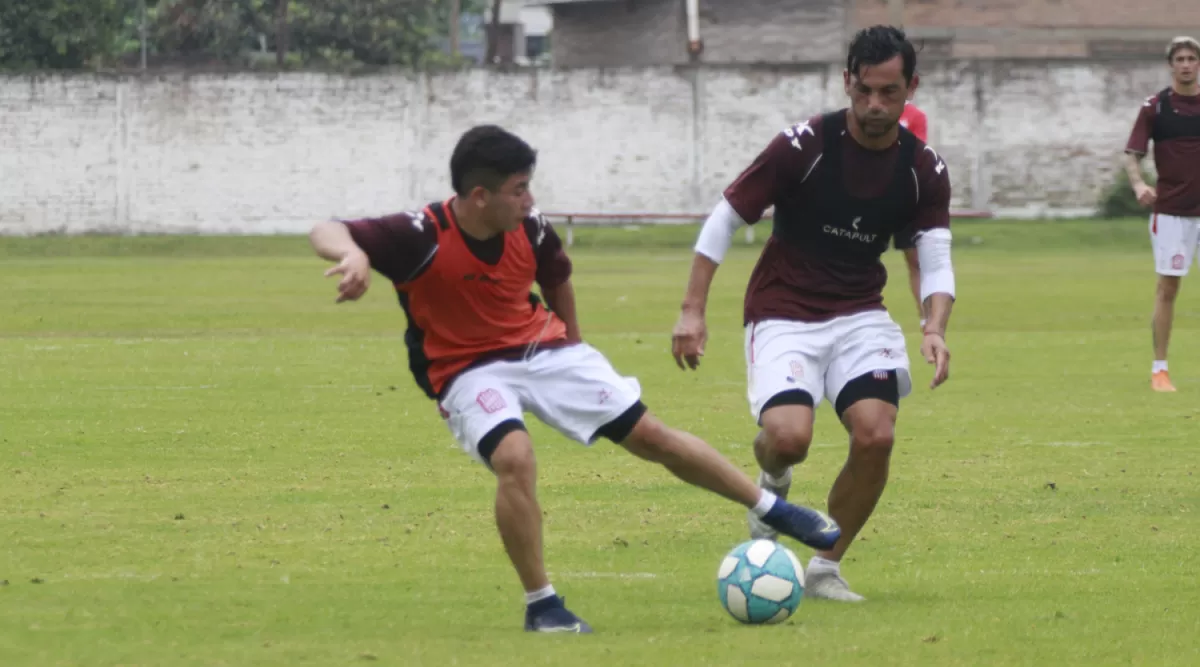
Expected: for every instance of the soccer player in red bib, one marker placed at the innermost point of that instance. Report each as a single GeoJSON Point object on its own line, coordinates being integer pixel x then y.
{"type": "Point", "coordinates": [843, 184]}
{"type": "Point", "coordinates": [488, 350]}
{"type": "Point", "coordinates": [1172, 119]}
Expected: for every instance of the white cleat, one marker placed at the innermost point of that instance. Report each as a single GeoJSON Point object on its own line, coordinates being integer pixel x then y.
{"type": "Point", "coordinates": [829, 585]}
{"type": "Point", "coordinates": [758, 529]}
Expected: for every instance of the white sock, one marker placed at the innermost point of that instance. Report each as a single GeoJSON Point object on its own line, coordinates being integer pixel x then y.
{"type": "Point", "coordinates": [818, 563]}
{"type": "Point", "coordinates": [535, 596]}
{"type": "Point", "coordinates": [765, 502]}
{"type": "Point", "coordinates": [785, 478]}
{"type": "Point", "coordinates": [1158, 366]}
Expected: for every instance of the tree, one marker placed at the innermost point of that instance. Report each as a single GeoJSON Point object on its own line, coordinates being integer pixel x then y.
{"type": "Point", "coordinates": [64, 34]}
{"type": "Point", "coordinates": [67, 34]}
{"type": "Point", "coordinates": [493, 33]}
{"type": "Point", "coordinates": [220, 30]}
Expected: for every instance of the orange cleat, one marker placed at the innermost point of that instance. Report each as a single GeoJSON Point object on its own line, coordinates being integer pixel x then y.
{"type": "Point", "coordinates": [1160, 381]}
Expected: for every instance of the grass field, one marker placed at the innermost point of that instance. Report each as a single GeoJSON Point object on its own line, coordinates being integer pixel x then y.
{"type": "Point", "coordinates": [206, 462]}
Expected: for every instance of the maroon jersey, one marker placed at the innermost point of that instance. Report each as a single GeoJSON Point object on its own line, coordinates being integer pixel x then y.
{"type": "Point", "coordinates": [1173, 122]}
{"type": "Point", "coordinates": [837, 206]}
{"type": "Point", "coordinates": [467, 301]}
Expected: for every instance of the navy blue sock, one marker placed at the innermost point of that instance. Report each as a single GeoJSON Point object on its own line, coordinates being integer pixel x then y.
{"type": "Point", "coordinates": [544, 604]}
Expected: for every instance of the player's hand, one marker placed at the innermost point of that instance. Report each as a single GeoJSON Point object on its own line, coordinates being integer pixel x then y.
{"type": "Point", "coordinates": [355, 270]}
{"type": "Point", "coordinates": [1146, 194]}
{"type": "Point", "coordinates": [933, 347]}
{"type": "Point", "coordinates": [688, 339]}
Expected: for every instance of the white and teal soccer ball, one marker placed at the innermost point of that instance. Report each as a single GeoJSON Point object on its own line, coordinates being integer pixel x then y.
{"type": "Point", "coordinates": [760, 582]}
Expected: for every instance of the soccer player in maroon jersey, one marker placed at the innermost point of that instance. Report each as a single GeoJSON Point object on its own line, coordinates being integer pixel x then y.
{"type": "Point", "coordinates": [842, 185]}
{"type": "Point", "coordinates": [487, 350]}
{"type": "Point", "coordinates": [1172, 119]}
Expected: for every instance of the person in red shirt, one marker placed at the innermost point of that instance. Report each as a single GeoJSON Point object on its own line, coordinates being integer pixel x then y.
{"type": "Point", "coordinates": [488, 349]}
{"type": "Point", "coordinates": [915, 121]}
{"type": "Point", "coordinates": [843, 184]}
{"type": "Point", "coordinates": [1172, 119]}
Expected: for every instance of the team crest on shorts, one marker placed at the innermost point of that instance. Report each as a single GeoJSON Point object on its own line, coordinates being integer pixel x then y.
{"type": "Point", "coordinates": [491, 401]}
{"type": "Point", "coordinates": [1177, 262]}
{"type": "Point", "coordinates": [797, 369]}
{"type": "Point", "coordinates": [882, 375]}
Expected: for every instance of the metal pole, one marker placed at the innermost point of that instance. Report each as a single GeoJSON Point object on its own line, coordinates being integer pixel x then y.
{"type": "Point", "coordinates": [142, 29]}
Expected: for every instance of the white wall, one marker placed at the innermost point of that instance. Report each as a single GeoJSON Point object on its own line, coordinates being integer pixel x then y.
{"type": "Point", "coordinates": [273, 152]}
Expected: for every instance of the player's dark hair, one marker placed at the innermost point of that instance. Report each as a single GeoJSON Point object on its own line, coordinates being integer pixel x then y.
{"type": "Point", "coordinates": [486, 156]}
{"type": "Point", "coordinates": [1180, 43]}
{"type": "Point", "coordinates": [877, 45]}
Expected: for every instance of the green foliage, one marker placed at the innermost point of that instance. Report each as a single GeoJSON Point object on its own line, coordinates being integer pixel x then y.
{"type": "Point", "coordinates": [217, 30]}
{"type": "Point", "coordinates": [65, 34]}
{"type": "Point", "coordinates": [62, 34]}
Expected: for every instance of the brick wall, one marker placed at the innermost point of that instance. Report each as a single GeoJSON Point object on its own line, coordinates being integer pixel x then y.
{"type": "Point", "coordinates": [654, 32]}
{"type": "Point", "coordinates": [623, 33]}
{"type": "Point", "coordinates": [1034, 13]}
{"type": "Point", "coordinates": [269, 153]}
{"type": "Point", "coordinates": [1041, 28]}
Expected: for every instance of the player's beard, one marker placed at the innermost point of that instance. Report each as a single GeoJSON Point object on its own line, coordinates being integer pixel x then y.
{"type": "Point", "coordinates": [876, 126]}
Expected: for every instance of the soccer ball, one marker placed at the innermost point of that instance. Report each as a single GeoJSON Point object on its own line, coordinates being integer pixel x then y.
{"type": "Point", "coordinates": [760, 582]}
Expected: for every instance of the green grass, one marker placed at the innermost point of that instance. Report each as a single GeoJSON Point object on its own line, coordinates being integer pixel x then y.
{"type": "Point", "coordinates": [206, 462]}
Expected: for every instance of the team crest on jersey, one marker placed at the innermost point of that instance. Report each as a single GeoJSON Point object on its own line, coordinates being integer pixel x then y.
{"type": "Point", "coordinates": [491, 401]}
{"type": "Point", "coordinates": [796, 131]}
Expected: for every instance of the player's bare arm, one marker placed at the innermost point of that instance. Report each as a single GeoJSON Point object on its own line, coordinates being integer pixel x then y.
{"type": "Point", "coordinates": [332, 241]}
{"type": "Point", "coordinates": [1146, 195]}
{"type": "Point", "coordinates": [561, 300]}
{"type": "Point", "coordinates": [691, 332]}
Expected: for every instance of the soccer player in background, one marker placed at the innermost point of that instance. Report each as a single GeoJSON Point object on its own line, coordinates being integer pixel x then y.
{"type": "Point", "coordinates": [842, 185]}
{"type": "Point", "coordinates": [915, 121]}
{"type": "Point", "coordinates": [487, 350]}
{"type": "Point", "coordinates": [1172, 119]}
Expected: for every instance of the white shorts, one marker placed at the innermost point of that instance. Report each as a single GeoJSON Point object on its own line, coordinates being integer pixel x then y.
{"type": "Point", "coordinates": [571, 389]}
{"type": "Point", "coordinates": [1174, 240]}
{"type": "Point", "coordinates": [821, 357]}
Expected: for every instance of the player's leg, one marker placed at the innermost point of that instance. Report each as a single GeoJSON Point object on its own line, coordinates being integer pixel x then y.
{"type": "Point", "coordinates": [866, 380]}
{"type": "Point", "coordinates": [694, 461]}
{"type": "Point", "coordinates": [1174, 242]}
{"type": "Point", "coordinates": [914, 280]}
{"type": "Point", "coordinates": [784, 382]}
{"type": "Point", "coordinates": [583, 397]}
{"type": "Point", "coordinates": [484, 413]}
{"type": "Point", "coordinates": [783, 441]}
{"type": "Point", "coordinates": [1165, 294]}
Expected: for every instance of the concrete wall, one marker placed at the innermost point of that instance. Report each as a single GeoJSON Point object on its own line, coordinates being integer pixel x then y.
{"type": "Point", "coordinates": [274, 152]}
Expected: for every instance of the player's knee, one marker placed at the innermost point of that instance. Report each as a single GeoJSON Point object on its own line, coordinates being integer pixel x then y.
{"type": "Point", "coordinates": [511, 458]}
{"type": "Point", "coordinates": [872, 439]}
{"type": "Point", "coordinates": [649, 439]}
{"type": "Point", "coordinates": [788, 439]}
